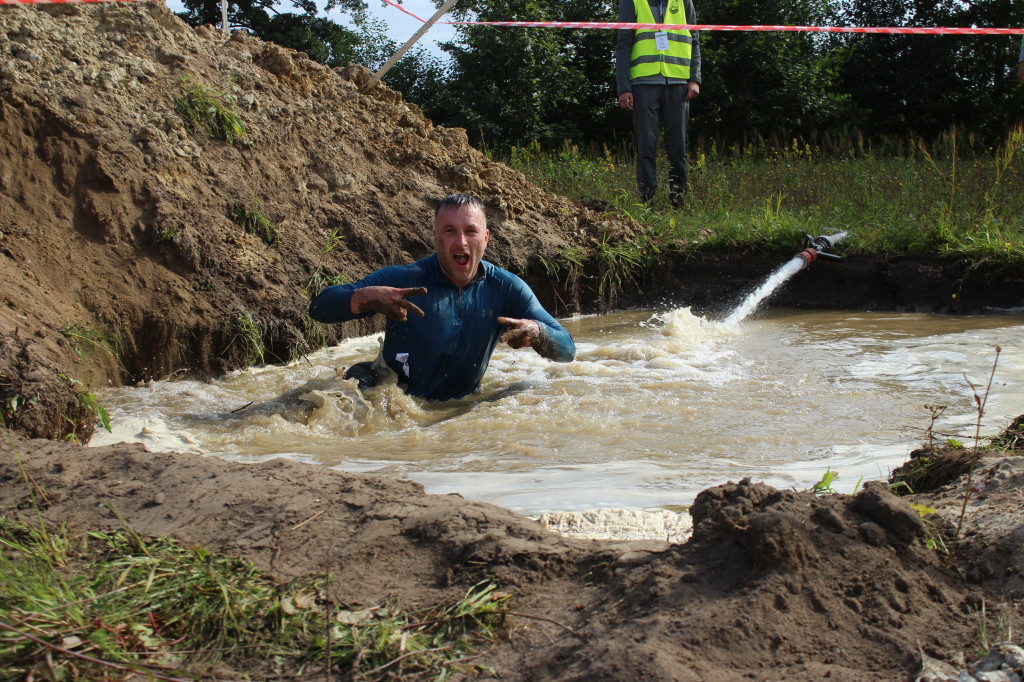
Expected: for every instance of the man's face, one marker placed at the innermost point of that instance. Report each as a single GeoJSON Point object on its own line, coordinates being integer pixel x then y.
{"type": "Point", "coordinates": [460, 237]}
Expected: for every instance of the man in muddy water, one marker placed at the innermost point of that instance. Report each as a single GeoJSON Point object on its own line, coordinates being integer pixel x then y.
{"type": "Point", "coordinates": [465, 307]}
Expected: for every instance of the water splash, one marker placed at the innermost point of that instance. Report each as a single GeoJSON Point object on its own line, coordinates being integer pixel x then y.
{"type": "Point", "coordinates": [795, 265]}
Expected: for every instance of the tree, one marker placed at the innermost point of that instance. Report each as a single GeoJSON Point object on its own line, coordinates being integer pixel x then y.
{"type": "Point", "coordinates": [923, 84]}
{"type": "Point", "coordinates": [769, 81]}
{"type": "Point", "coordinates": [322, 39]}
{"type": "Point", "coordinates": [417, 74]}
{"type": "Point", "coordinates": [515, 85]}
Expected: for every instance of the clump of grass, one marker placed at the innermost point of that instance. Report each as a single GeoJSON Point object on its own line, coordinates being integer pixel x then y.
{"type": "Point", "coordinates": [320, 280]}
{"type": "Point", "coordinates": [106, 604]}
{"type": "Point", "coordinates": [166, 233]}
{"type": "Point", "coordinates": [992, 639]}
{"type": "Point", "coordinates": [619, 262]}
{"type": "Point", "coordinates": [1011, 438]}
{"type": "Point", "coordinates": [208, 110]}
{"type": "Point", "coordinates": [571, 171]}
{"type": "Point", "coordinates": [255, 222]}
{"type": "Point", "coordinates": [86, 337]}
{"type": "Point", "coordinates": [248, 333]}
{"type": "Point", "coordinates": [433, 640]}
{"type": "Point", "coordinates": [930, 468]}
{"type": "Point", "coordinates": [570, 260]}
{"type": "Point", "coordinates": [87, 400]}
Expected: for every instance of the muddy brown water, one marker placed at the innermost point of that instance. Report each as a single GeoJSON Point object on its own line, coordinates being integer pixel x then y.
{"type": "Point", "coordinates": [657, 407]}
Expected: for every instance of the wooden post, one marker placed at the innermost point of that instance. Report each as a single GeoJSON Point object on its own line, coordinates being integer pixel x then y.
{"type": "Point", "coordinates": [224, 18]}
{"type": "Point", "coordinates": [405, 48]}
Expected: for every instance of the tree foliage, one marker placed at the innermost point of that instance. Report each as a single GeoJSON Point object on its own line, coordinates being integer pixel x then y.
{"type": "Point", "coordinates": [322, 39]}
{"type": "Point", "coordinates": [510, 85]}
{"type": "Point", "coordinates": [769, 81]}
{"type": "Point", "coordinates": [926, 83]}
{"type": "Point", "coordinates": [513, 85]}
{"type": "Point", "coordinates": [418, 74]}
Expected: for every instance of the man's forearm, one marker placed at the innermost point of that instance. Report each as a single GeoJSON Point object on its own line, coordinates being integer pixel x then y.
{"type": "Point", "coordinates": [556, 344]}
{"type": "Point", "coordinates": [333, 304]}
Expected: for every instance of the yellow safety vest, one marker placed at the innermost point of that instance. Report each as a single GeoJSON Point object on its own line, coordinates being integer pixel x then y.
{"type": "Point", "coordinates": [646, 60]}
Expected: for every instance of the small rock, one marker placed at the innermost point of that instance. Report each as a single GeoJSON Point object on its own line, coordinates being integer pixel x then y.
{"type": "Point", "coordinates": [881, 505]}
{"type": "Point", "coordinates": [1013, 655]}
{"type": "Point", "coordinates": [934, 670]}
{"type": "Point", "coordinates": [997, 676]}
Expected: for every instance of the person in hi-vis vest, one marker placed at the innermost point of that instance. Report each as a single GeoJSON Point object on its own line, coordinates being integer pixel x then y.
{"type": "Point", "coordinates": [1020, 64]}
{"type": "Point", "coordinates": [657, 74]}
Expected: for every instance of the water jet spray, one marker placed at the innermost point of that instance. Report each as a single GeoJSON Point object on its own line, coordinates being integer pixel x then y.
{"type": "Point", "coordinates": [817, 247]}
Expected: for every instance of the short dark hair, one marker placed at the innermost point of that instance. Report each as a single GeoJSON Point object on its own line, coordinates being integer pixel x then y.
{"type": "Point", "coordinates": [455, 201]}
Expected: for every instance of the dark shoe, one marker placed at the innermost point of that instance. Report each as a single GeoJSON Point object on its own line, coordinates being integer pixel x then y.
{"type": "Point", "coordinates": [677, 195]}
{"type": "Point", "coordinates": [364, 373]}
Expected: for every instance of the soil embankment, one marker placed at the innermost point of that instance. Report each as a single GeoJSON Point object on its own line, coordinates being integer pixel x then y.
{"type": "Point", "coordinates": [135, 248]}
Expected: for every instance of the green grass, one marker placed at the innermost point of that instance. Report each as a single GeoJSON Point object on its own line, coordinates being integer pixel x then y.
{"type": "Point", "coordinates": [255, 222]}
{"type": "Point", "coordinates": [167, 233]}
{"type": "Point", "coordinates": [248, 333]}
{"type": "Point", "coordinates": [204, 109]}
{"type": "Point", "coordinates": [87, 400]}
{"type": "Point", "coordinates": [320, 280]}
{"type": "Point", "coordinates": [947, 198]}
{"type": "Point", "coordinates": [98, 605]}
{"type": "Point", "coordinates": [86, 337]}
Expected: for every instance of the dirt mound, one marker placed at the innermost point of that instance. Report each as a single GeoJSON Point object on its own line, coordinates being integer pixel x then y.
{"type": "Point", "coordinates": [991, 543]}
{"type": "Point", "coordinates": [134, 247]}
{"type": "Point", "coordinates": [780, 585]}
{"type": "Point", "coordinates": [773, 584]}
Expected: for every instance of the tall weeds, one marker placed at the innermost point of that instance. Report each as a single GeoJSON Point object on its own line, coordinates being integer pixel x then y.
{"type": "Point", "coordinates": [979, 402]}
{"type": "Point", "coordinates": [947, 197]}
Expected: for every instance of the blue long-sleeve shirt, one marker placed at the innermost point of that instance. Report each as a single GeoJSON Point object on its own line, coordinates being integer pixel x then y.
{"type": "Point", "coordinates": [444, 354]}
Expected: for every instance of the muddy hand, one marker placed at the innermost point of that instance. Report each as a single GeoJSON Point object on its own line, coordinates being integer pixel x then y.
{"type": "Point", "coordinates": [522, 333]}
{"type": "Point", "coordinates": [388, 301]}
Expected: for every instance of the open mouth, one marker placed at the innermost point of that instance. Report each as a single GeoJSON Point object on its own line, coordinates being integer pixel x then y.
{"type": "Point", "coordinates": [461, 259]}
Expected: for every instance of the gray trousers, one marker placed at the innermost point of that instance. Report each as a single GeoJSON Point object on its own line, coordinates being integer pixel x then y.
{"type": "Point", "coordinates": [665, 104]}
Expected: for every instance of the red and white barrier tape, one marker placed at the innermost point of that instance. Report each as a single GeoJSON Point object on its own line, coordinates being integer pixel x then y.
{"type": "Point", "coordinates": [736, 27]}
{"type": "Point", "coordinates": [60, 2]}
{"type": "Point", "coordinates": [395, 4]}
{"type": "Point", "coordinates": [728, 27]}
